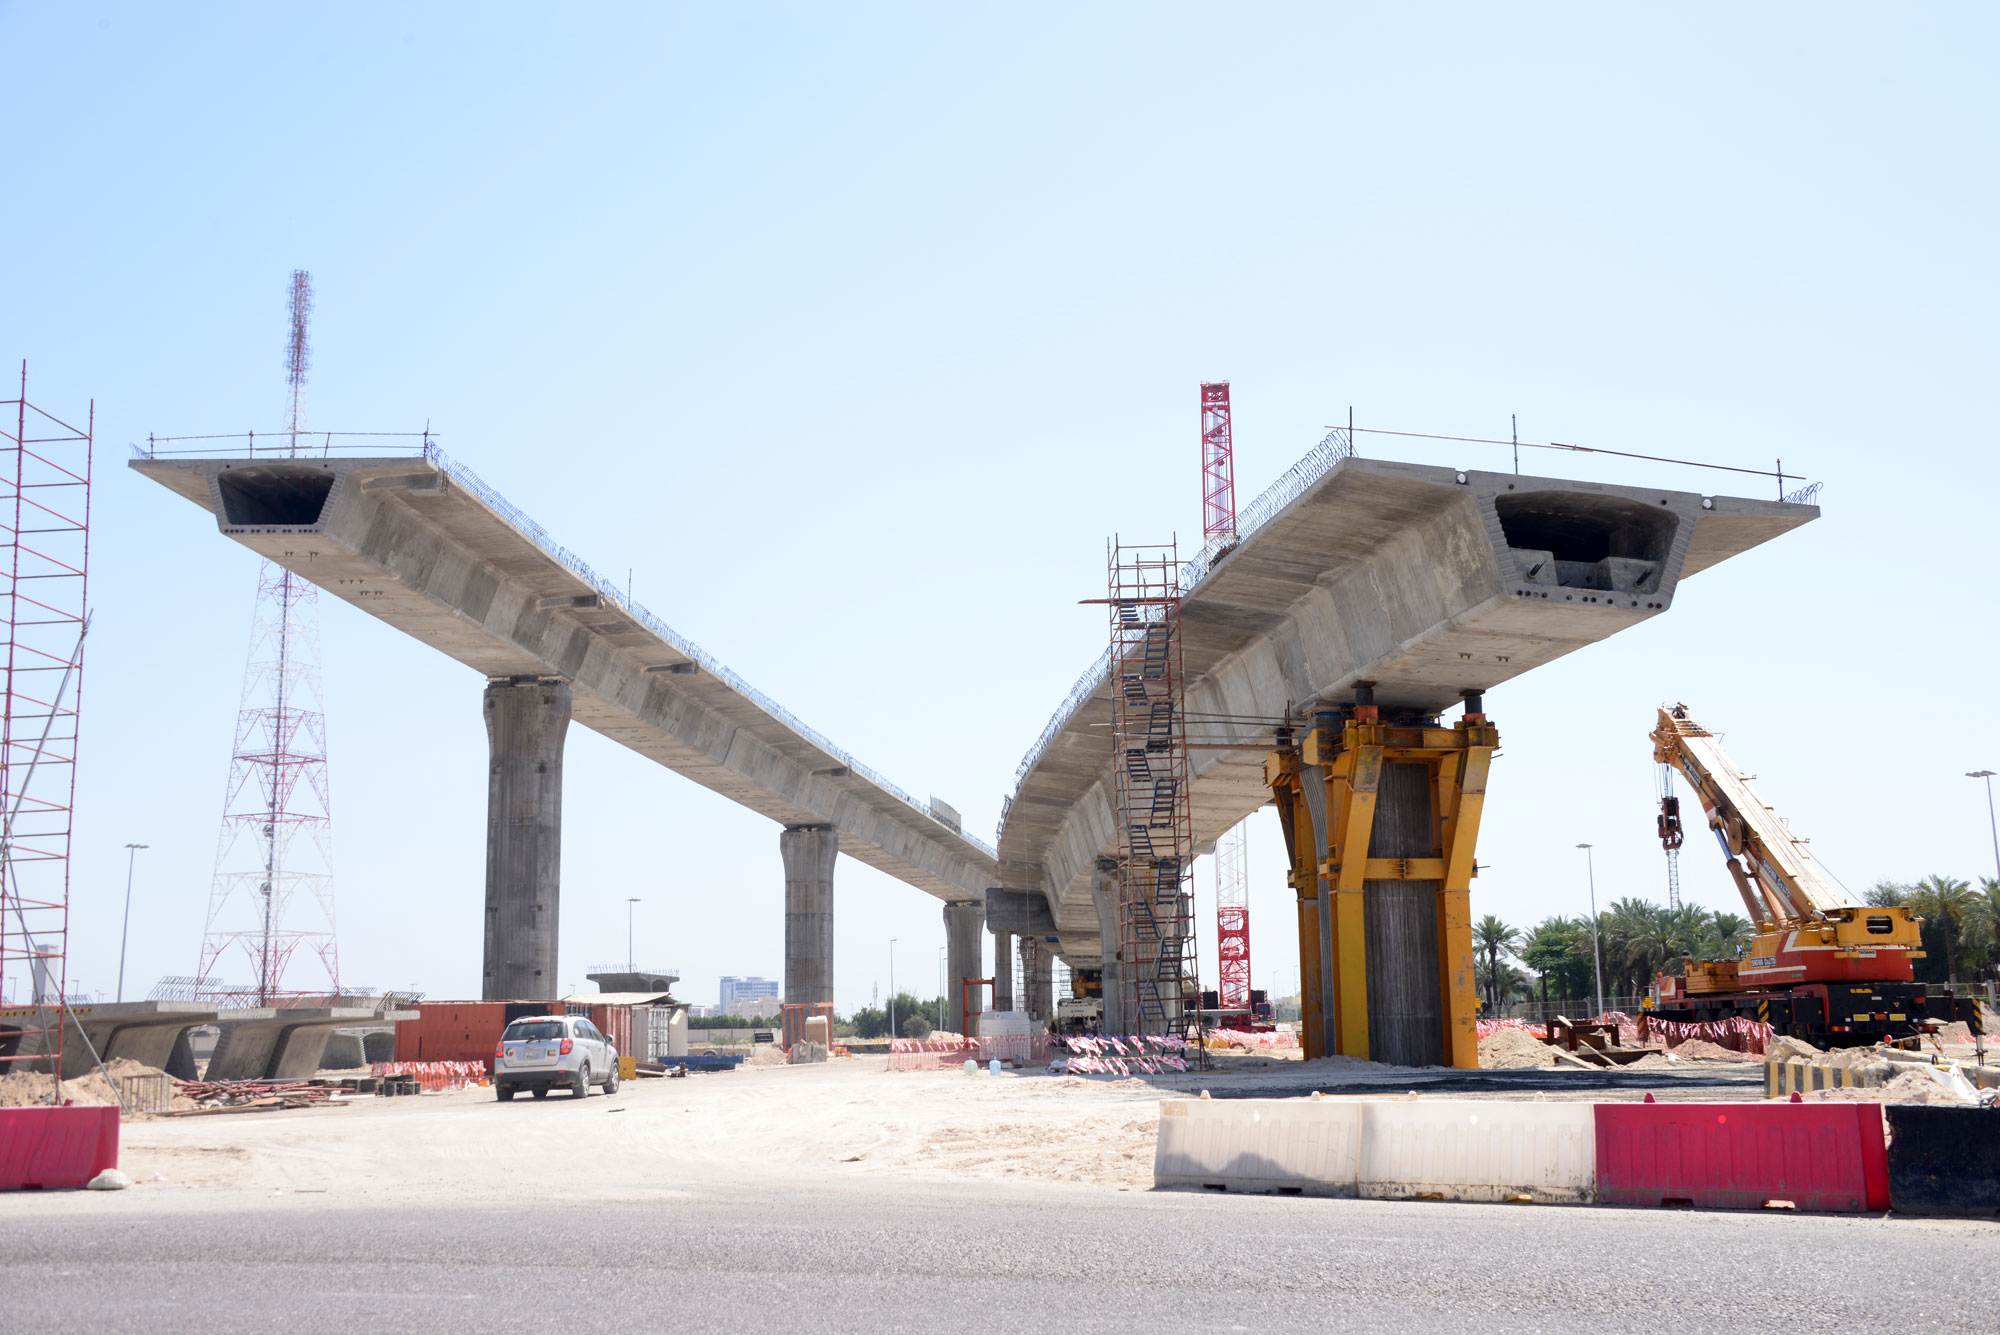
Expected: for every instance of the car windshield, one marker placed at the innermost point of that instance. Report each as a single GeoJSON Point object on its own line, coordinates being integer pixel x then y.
{"type": "Point", "coordinates": [535, 1029]}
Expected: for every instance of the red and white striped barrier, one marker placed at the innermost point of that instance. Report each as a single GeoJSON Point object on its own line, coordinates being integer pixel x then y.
{"type": "Point", "coordinates": [436, 1075]}
{"type": "Point", "coordinates": [1735, 1032]}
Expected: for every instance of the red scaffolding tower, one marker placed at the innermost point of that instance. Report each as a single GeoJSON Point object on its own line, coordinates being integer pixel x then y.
{"type": "Point", "coordinates": [45, 501]}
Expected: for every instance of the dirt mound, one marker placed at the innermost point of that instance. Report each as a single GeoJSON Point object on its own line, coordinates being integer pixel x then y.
{"type": "Point", "coordinates": [1700, 1049]}
{"type": "Point", "coordinates": [1513, 1049]}
{"type": "Point", "coordinates": [1783, 1048]}
{"type": "Point", "coordinates": [32, 1089]}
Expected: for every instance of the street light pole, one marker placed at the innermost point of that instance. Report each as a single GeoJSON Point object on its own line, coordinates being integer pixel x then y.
{"type": "Point", "coordinates": [1991, 824]}
{"type": "Point", "coordinates": [892, 987]}
{"type": "Point", "coordinates": [628, 934]}
{"type": "Point", "coordinates": [1597, 951]}
{"type": "Point", "coordinates": [131, 857]}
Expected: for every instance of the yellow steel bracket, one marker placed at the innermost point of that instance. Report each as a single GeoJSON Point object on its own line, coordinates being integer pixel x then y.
{"type": "Point", "coordinates": [1461, 792]}
{"type": "Point", "coordinates": [1281, 775]}
{"type": "Point", "coordinates": [1353, 778]}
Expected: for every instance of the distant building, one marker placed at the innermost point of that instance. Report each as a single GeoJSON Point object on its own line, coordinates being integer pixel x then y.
{"type": "Point", "coordinates": [756, 1008]}
{"type": "Point", "coordinates": [736, 989]}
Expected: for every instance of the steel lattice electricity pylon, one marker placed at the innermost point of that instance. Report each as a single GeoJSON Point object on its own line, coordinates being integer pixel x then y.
{"type": "Point", "coordinates": [274, 862]}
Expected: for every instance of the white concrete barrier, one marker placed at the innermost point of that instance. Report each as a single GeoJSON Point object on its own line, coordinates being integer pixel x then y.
{"type": "Point", "coordinates": [1469, 1150]}
{"type": "Point", "coordinates": [1303, 1146]}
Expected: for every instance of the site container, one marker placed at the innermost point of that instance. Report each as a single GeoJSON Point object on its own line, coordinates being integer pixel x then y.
{"type": "Point", "coordinates": [462, 1031]}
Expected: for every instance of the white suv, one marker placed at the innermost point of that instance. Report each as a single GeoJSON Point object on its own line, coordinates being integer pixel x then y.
{"type": "Point", "coordinates": [543, 1052]}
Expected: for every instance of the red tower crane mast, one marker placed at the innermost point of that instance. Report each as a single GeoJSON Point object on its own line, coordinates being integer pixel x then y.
{"type": "Point", "coordinates": [1232, 900]}
{"type": "Point", "coordinates": [1218, 465]}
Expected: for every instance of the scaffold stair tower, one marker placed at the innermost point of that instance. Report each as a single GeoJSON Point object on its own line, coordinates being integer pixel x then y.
{"type": "Point", "coordinates": [1155, 828]}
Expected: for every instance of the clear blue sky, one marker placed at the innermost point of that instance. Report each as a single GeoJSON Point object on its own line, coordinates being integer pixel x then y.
{"type": "Point", "coordinates": [854, 334]}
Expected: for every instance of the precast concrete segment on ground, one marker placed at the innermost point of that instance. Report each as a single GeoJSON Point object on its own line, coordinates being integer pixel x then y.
{"type": "Point", "coordinates": [418, 547]}
{"type": "Point", "coordinates": [1428, 582]}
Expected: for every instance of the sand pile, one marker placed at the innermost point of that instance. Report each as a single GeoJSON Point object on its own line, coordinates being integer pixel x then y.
{"type": "Point", "coordinates": [1914, 1085]}
{"type": "Point", "coordinates": [1700, 1049]}
{"type": "Point", "coordinates": [31, 1089]}
{"type": "Point", "coordinates": [1513, 1049]}
{"type": "Point", "coordinates": [1785, 1048]}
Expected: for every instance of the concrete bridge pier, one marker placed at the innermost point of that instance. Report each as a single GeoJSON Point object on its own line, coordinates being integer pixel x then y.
{"type": "Point", "coordinates": [527, 720]}
{"type": "Point", "coordinates": [1037, 965]}
{"type": "Point", "coordinates": [809, 852]}
{"type": "Point", "coordinates": [962, 956]}
{"type": "Point", "coordinates": [1003, 971]}
{"type": "Point", "coordinates": [1104, 898]}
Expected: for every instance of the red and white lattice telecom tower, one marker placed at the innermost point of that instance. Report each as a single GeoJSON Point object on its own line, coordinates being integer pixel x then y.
{"type": "Point", "coordinates": [1232, 882]}
{"type": "Point", "coordinates": [44, 563]}
{"type": "Point", "coordinates": [1218, 465]}
{"type": "Point", "coordinates": [274, 864]}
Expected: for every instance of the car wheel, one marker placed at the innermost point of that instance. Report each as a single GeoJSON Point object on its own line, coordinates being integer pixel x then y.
{"type": "Point", "coordinates": [611, 1081]}
{"type": "Point", "coordinates": [581, 1089]}
{"type": "Point", "coordinates": [505, 1093]}
{"type": "Point", "coordinates": [541, 1091]}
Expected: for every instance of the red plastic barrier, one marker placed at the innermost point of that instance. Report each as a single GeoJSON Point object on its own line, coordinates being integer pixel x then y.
{"type": "Point", "coordinates": [56, 1147]}
{"type": "Point", "coordinates": [1818, 1156]}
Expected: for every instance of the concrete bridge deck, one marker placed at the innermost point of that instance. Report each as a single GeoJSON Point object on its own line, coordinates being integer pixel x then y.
{"type": "Point", "coordinates": [422, 545]}
{"type": "Point", "coordinates": [1428, 582]}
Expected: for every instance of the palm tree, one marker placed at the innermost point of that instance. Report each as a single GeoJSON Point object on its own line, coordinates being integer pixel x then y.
{"type": "Point", "coordinates": [1491, 936]}
{"type": "Point", "coordinates": [1950, 901]}
{"type": "Point", "coordinates": [1730, 936]}
{"type": "Point", "coordinates": [1638, 938]}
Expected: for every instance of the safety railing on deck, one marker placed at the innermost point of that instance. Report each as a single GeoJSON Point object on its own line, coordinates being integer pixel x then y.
{"type": "Point", "coordinates": [610, 592]}
{"type": "Point", "coordinates": [1337, 444]}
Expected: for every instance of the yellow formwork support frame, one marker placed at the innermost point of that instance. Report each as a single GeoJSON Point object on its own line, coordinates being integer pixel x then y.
{"type": "Point", "coordinates": [1350, 756]}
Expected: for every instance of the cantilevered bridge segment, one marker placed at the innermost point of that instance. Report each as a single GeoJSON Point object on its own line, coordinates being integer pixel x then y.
{"type": "Point", "coordinates": [422, 545]}
{"type": "Point", "coordinates": [1421, 584]}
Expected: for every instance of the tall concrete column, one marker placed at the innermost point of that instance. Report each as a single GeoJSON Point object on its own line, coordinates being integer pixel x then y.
{"type": "Point", "coordinates": [1405, 1010]}
{"type": "Point", "coordinates": [527, 719]}
{"type": "Point", "coordinates": [1036, 967]}
{"type": "Point", "coordinates": [1003, 971]}
{"type": "Point", "coordinates": [961, 957]}
{"type": "Point", "coordinates": [1104, 897]}
{"type": "Point", "coordinates": [809, 852]}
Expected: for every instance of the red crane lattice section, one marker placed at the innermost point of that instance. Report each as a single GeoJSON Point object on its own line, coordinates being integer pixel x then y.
{"type": "Point", "coordinates": [1218, 463]}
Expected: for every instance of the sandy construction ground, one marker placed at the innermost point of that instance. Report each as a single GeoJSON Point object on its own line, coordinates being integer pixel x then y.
{"type": "Point", "coordinates": [757, 1126]}
{"type": "Point", "coordinates": [660, 1136]}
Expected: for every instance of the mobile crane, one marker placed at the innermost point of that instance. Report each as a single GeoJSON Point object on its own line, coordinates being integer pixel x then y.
{"type": "Point", "coordinates": [1821, 967]}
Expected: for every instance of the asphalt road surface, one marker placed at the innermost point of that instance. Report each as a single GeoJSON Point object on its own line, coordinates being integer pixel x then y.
{"type": "Point", "coordinates": [891, 1254]}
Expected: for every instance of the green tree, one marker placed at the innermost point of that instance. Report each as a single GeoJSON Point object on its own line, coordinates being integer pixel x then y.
{"type": "Point", "coordinates": [1551, 951]}
{"type": "Point", "coordinates": [1886, 895]}
{"type": "Point", "coordinates": [871, 1022]}
{"type": "Point", "coordinates": [1949, 902]}
{"type": "Point", "coordinates": [1493, 938]}
{"type": "Point", "coordinates": [917, 1027]}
